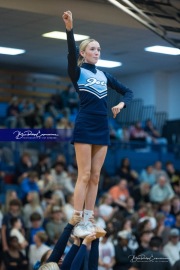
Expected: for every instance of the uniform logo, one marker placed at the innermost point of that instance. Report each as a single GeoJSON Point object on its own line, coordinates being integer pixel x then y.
{"type": "Point", "coordinates": [92, 81]}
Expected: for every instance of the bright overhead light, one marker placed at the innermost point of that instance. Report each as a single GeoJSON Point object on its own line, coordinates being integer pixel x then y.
{"type": "Point", "coordinates": [108, 64]}
{"type": "Point", "coordinates": [163, 49]}
{"type": "Point", "coordinates": [11, 51]}
{"type": "Point", "coordinates": [62, 35]}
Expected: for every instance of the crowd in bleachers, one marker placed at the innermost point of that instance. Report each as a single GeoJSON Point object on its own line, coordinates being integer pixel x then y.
{"type": "Point", "coordinates": [60, 112]}
{"type": "Point", "coordinates": [33, 113]}
{"type": "Point", "coordinates": [36, 196]}
{"type": "Point", "coordinates": [37, 203]}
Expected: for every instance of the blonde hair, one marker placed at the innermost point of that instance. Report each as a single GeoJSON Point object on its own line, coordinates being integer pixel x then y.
{"type": "Point", "coordinates": [42, 236]}
{"type": "Point", "coordinates": [49, 266]}
{"type": "Point", "coordinates": [82, 47]}
{"type": "Point", "coordinates": [35, 199]}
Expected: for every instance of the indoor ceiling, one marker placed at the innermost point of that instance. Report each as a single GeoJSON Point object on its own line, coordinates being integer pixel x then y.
{"type": "Point", "coordinates": [122, 38]}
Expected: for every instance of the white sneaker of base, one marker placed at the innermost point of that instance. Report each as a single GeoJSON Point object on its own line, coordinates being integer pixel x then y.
{"type": "Point", "coordinates": [90, 227]}
{"type": "Point", "coordinates": [81, 231]}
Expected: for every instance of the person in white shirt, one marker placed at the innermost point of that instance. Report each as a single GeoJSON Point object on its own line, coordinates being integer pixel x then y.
{"type": "Point", "coordinates": [106, 253]}
{"type": "Point", "coordinates": [39, 248]}
{"type": "Point", "coordinates": [106, 210]}
{"type": "Point", "coordinates": [16, 225]}
{"type": "Point", "coordinates": [161, 191]}
{"type": "Point", "coordinates": [172, 248]}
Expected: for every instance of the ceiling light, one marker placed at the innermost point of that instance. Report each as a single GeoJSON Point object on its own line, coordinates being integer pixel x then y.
{"type": "Point", "coordinates": [163, 49]}
{"type": "Point", "coordinates": [62, 35]}
{"type": "Point", "coordinates": [11, 51]}
{"type": "Point", "coordinates": [108, 64]}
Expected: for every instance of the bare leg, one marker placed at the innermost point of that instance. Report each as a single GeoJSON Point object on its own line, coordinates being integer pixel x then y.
{"type": "Point", "coordinates": [97, 160]}
{"type": "Point", "coordinates": [83, 157]}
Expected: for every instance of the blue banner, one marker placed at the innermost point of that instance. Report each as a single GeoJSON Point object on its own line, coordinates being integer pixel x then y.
{"type": "Point", "coordinates": [61, 135]}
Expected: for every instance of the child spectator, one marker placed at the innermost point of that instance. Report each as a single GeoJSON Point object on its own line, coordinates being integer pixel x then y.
{"type": "Point", "coordinates": [36, 226]}
{"type": "Point", "coordinates": [39, 248]}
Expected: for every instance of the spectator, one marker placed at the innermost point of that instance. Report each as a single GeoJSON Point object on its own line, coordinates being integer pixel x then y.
{"type": "Point", "coordinates": [10, 195]}
{"type": "Point", "coordinates": [147, 176]}
{"type": "Point", "coordinates": [129, 209]}
{"type": "Point", "coordinates": [137, 134]}
{"type": "Point", "coordinates": [16, 227]}
{"type": "Point", "coordinates": [174, 176]}
{"type": "Point", "coordinates": [28, 112]}
{"type": "Point", "coordinates": [141, 194]}
{"type": "Point", "coordinates": [106, 210]}
{"type": "Point", "coordinates": [160, 229]}
{"type": "Point", "coordinates": [61, 178]}
{"type": "Point", "coordinates": [153, 258]}
{"type": "Point", "coordinates": [155, 135]}
{"type": "Point", "coordinates": [170, 219]}
{"type": "Point", "coordinates": [13, 118]}
{"type": "Point", "coordinates": [161, 191]}
{"type": "Point", "coordinates": [125, 172]}
{"type": "Point", "coordinates": [127, 225]}
{"type": "Point", "coordinates": [172, 248]}
{"type": "Point", "coordinates": [55, 200]}
{"type": "Point", "coordinates": [23, 167]}
{"type": "Point", "coordinates": [119, 193]}
{"type": "Point", "coordinates": [39, 248]}
{"type": "Point", "coordinates": [122, 251]}
{"type": "Point", "coordinates": [36, 226]}
{"type": "Point", "coordinates": [47, 185]}
{"type": "Point", "coordinates": [49, 123]}
{"type": "Point", "coordinates": [56, 223]}
{"type": "Point", "coordinates": [175, 205]}
{"type": "Point", "coordinates": [158, 170]}
{"type": "Point", "coordinates": [42, 165]}
{"type": "Point", "coordinates": [14, 211]}
{"type": "Point", "coordinates": [106, 253]}
{"type": "Point", "coordinates": [29, 184]}
{"type": "Point", "coordinates": [12, 258]}
{"type": "Point", "coordinates": [144, 239]}
{"type": "Point", "coordinates": [32, 206]}
{"type": "Point", "coordinates": [37, 115]}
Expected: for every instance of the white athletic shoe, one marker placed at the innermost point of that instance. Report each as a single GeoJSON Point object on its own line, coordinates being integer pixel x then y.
{"type": "Point", "coordinates": [82, 229]}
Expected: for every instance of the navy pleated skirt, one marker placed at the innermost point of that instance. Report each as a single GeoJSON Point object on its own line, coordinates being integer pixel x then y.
{"type": "Point", "coordinates": [91, 129]}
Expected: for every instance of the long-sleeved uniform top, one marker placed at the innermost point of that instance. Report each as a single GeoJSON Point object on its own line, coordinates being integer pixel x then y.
{"type": "Point", "coordinates": [60, 246]}
{"type": "Point", "coordinates": [76, 256]}
{"type": "Point", "coordinates": [93, 92]}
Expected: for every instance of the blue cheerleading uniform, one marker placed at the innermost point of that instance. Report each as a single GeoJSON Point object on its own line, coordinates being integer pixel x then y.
{"type": "Point", "coordinates": [92, 85]}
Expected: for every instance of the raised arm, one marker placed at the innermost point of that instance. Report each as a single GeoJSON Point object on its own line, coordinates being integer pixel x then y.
{"type": "Point", "coordinates": [73, 69]}
{"type": "Point", "coordinates": [60, 246]}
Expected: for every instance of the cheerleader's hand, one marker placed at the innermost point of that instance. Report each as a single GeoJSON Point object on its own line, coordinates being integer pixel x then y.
{"type": "Point", "coordinates": [116, 109]}
{"type": "Point", "coordinates": [68, 20]}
